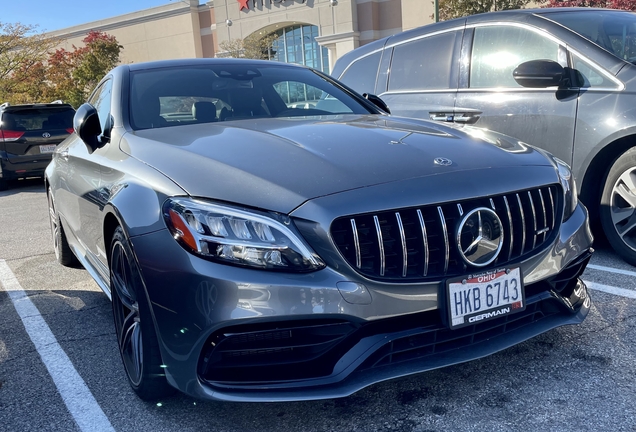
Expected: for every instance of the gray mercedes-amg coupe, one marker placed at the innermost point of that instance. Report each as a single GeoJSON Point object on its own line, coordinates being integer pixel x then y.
{"type": "Point", "coordinates": [267, 234]}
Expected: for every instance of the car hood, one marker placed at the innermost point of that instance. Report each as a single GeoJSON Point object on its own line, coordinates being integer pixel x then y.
{"type": "Point", "coordinates": [277, 164]}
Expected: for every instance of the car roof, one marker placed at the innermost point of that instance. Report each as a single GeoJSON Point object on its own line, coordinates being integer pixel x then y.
{"type": "Point", "coordinates": [8, 107]}
{"type": "Point", "coordinates": [205, 61]}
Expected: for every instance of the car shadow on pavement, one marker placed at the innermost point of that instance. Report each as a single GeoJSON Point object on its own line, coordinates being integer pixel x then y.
{"type": "Point", "coordinates": [29, 185]}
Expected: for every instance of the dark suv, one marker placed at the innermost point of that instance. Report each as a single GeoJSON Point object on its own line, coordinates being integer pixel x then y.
{"type": "Point", "coordinates": [561, 79]}
{"type": "Point", "coordinates": [28, 137]}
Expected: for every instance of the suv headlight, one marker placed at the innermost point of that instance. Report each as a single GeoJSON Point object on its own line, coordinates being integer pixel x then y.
{"type": "Point", "coordinates": [234, 236]}
{"type": "Point", "coordinates": [569, 188]}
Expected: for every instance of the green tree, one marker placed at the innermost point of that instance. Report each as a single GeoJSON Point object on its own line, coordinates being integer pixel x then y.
{"type": "Point", "coordinates": [449, 9]}
{"type": "Point", "coordinates": [22, 51]}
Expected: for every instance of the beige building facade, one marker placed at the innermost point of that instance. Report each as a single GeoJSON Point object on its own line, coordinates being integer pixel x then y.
{"type": "Point", "coordinates": [311, 32]}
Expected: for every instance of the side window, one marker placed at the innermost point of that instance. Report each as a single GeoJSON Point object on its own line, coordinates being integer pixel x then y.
{"type": "Point", "coordinates": [297, 95]}
{"type": "Point", "coordinates": [498, 50]}
{"type": "Point", "coordinates": [588, 76]}
{"type": "Point", "coordinates": [362, 73]}
{"type": "Point", "coordinates": [101, 101]}
{"type": "Point", "coordinates": [423, 64]}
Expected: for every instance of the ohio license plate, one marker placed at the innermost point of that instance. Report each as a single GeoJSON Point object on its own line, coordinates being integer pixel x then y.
{"type": "Point", "coordinates": [484, 296]}
{"type": "Point", "coordinates": [49, 148]}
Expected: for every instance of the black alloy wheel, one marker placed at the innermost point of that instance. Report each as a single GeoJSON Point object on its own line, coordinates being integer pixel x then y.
{"type": "Point", "coordinates": [618, 206]}
{"type": "Point", "coordinates": [63, 252]}
{"type": "Point", "coordinates": [135, 331]}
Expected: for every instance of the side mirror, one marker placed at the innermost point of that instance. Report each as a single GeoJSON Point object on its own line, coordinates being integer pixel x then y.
{"type": "Point", "coordinates": [539, 73]}
{"type": "Point", "coordinates": [86, 125]}
{"type": "Point", "coordinates": [375, 100]}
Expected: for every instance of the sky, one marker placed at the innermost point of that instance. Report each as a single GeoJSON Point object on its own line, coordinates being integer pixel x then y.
{"type": "Point", "coordinates": [51, 15]}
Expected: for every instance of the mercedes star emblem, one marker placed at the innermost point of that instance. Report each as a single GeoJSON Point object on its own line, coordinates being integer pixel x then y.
{"type": "Point", "coordinates": [480, 237]}
{"type": "Point", "coordinates": [443, 161]}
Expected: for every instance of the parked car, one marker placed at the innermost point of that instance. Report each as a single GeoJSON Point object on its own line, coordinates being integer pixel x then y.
{"type": "Point", "coordinates": [254, 251]}
{"type": "Point", "coordinates": [28, 137]}
{"type": "Point", "coordinates": [560, 79]}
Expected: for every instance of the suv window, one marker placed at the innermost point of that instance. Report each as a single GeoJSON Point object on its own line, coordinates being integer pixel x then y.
{"type": "Point", "coordinates": [424, 64]}
{"type": "Point", "coordinates": [498, 50]}
{"type": "Point", "coordinates": [38, 119]}
{"type": "Point", "coordinates": [589, 76]}
{"type": "Point", "coordinates": [615, 31]}
{"type": "Point", "coordinates": [362, 73]}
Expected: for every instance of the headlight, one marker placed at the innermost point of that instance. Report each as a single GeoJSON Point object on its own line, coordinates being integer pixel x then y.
{"type": "Point", "coordinates": [232, 236]}
{"type": "Point", "coordinates": [569, 188]}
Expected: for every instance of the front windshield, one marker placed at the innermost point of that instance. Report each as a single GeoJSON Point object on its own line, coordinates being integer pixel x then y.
{"type": "Point", "coordinates": [234, 91]}
{"type": "Point", "coordinates": [615, 31]}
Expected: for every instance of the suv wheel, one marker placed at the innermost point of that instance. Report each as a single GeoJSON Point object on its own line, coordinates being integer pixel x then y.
{"type": "Point", "coordinates": [618, 206]}
{"type": "Point", "coordinates": [3, 185]}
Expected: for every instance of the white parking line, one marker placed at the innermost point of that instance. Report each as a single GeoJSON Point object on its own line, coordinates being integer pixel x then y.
{"type": "Point", "coordinates": [78, 398]}
{"type": "Point", "coordinates": [611, 270]}
{"type": "Point", "coordinates": [611, 290]}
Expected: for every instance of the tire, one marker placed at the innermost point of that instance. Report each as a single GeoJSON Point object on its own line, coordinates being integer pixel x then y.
{"type": "Point", "coordinates": [4, 185]}
{"type": "Point", "coordinates": [63, 252]}
{"type": "Point", "coordinates": [135, 330]}
{"type": "Point", "coordinates": [618, 206]}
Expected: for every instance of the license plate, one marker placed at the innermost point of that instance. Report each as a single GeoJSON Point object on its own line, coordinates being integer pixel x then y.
{"type": "Point", "coordinates": [481, 297]}
{"type": "Point", "coordinates": [49, 148]}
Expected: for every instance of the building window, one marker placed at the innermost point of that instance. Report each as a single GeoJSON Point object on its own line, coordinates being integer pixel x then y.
{"type": "Point", "coordinates": [297, 44]}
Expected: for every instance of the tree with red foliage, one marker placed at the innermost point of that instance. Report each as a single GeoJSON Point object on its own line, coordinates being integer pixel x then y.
{"type": "Point", "coordinates": [629, 5]}
{"type": "Point", "coordinates": [72, 75]}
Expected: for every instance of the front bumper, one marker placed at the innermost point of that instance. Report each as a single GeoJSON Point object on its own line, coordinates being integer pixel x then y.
{"type": "Point", "coordinates": [238, 334]}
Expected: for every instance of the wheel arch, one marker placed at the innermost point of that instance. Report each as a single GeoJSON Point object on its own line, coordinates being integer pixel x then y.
{"type": "Point", "coordinates": [591, 187]}
{"type": "Point", "coordinates": [111, 222]}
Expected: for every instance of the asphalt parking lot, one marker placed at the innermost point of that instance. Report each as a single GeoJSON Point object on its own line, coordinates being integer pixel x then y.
{"type": "Point", "coordinates": [60, 369]}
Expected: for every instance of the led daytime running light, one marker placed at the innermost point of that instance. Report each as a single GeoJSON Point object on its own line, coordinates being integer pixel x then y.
{"type": "Point", "coordinates": [239, 237]}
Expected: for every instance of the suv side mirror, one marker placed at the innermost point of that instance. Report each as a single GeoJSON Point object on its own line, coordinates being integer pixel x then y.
{"type": "Point", "coordinates": [86, 125]}
{"type": "Point", "coordinates": [539, 73]}
{"type": "Point", "coordinates": [375, 100]}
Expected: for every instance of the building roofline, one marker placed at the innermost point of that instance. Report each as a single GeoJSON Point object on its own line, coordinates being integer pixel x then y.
{"type": "Point", "coordinates": [165, 11]}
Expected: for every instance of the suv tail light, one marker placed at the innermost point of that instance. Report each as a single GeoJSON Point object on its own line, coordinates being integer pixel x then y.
{"type": "Point", "coordinates": [70, 130]}
{"type": "Point", "coordinates": [6, 136]}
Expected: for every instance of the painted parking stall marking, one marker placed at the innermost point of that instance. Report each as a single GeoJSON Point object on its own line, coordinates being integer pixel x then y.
{"type": "Point", "coordinates": [623, 292]}
{"type": "Point", "coordinates": [611, 270]}
{"type": "Point", "coordinates": [78, 398]}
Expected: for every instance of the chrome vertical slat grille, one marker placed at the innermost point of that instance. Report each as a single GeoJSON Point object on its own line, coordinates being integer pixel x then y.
{"type": "Point", "coordinates": [381, 245]}
{"type": "Point", "coordinates": [356, 243]}
{"type": "Point", "coordinates": [421, 243]}
{"type": "Point", "coordinates": [534, 220]}
{"type": "Point", "coordinates": [405, 255]}
{"type": "Point", "coordinates": [424, 241]}
{"type": "Point", "coordinates": [446, 241]}
{"type": "Point", "coordinates": [511, 239]}
{"type": "Point", "coordinates": [523, 224]}
{"type": "Point", "coordinates": [545, 216]}
{"type": "Point", "coordinates": [552, 205]}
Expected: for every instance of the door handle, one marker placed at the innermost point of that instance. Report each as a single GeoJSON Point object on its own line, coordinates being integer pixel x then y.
{"type": "Point", "coordinates": [64, 155]}
{"type": "Point", "coordinates": [466, 117]}
{"type": "Point", "coordinates": [441, 116]}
